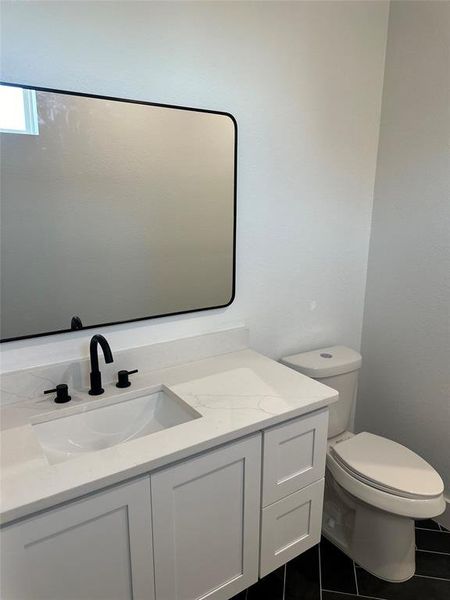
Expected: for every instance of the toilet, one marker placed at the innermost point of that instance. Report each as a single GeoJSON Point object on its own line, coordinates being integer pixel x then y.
{"type": "Point", "coordinates": [374, 487]}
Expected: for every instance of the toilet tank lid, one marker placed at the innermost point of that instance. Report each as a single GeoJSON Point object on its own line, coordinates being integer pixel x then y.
{"type": "Point", "coordinates": [325, 362]}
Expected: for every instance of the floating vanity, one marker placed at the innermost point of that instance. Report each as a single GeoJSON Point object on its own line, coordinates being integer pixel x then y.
{"type": "Point", "coordinates": [190, 484]}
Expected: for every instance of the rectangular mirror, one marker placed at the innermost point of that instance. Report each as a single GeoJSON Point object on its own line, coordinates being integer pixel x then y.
{"type": "Point", "coordinates": [112, 210]}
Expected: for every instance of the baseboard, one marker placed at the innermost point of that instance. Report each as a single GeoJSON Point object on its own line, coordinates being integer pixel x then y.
{"type": "Point", "coordinates": [444, 519]}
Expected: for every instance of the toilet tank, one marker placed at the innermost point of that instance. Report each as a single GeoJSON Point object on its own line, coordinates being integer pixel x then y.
{"type": "Point", "coordinates": [337, 367]}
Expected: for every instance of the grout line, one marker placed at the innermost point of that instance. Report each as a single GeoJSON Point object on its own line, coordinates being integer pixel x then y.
{"type": "Point", "coordinates": [433, 551]}
{"type": "Point", "coordinates": [284, 580]}
{"type": "Point", "coordinates": [353, 595]}
{"type": "Point", "coordinates": [356, 578]}
{"type": "Point", "coordinates": [430, 577]}
{"type": "Point", "coordinates": [320, 574]}
{"type": "Point", "coordinates": [429, 529]}
{"type": "Point", "coordinates": [246, 594]}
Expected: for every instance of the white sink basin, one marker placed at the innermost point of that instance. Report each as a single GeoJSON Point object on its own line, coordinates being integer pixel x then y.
{"type": "Point", "coordinates": [105, 426]}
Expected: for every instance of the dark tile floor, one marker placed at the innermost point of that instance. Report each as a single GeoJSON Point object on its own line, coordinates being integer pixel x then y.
{"type": "Point", "coordinates": [325, 573]}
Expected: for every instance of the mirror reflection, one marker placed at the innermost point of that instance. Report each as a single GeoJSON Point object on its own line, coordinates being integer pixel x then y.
{"type": "Point", "coordinates": [111, 210]}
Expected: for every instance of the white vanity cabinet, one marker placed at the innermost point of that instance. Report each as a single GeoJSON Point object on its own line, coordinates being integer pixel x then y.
{"type": "Point", "coordinates": [202, 528]}
{"type": "Point", "coordinates": [96, 548]}
{"type": "Point", "coordinates": [206, 513]}
{"type": "Point", "coordinates": [202, 534]}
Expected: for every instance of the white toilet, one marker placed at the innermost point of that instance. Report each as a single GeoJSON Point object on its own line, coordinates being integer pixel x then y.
{"type": "Point", "coordinates": [374, 487]}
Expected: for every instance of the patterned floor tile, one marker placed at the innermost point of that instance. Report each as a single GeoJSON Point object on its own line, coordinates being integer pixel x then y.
{"type": "Point", "coordinates": [432, 564]}
{"type": "Point", "coordinates": [338, 596]}
{"type": "Point", "coordinates": [302, 576]}
{"type": "Point", "coordinates": [427, 524]}
{"type": "Point", "coordinates": [435, 541]}
{"type": "Point", "coordinates": [338, 573]}
{"type": "Point", "coordinates": [241, 596]}
{"type": "Point", "coordinates": [416, 588]}
{"type": "Point", "coordinates": [270, 587]}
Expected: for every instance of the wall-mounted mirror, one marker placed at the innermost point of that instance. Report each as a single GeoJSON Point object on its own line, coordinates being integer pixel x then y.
{"type": "Point", "coordinates": [112, 210]}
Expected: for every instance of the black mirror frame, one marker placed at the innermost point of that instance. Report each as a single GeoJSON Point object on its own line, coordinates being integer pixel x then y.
{"type": "Point", "coordinates": [171, 314]}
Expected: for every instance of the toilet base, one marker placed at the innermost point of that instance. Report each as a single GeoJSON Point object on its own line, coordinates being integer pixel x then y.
{"type": "Point", "coordinates": [380, 542]}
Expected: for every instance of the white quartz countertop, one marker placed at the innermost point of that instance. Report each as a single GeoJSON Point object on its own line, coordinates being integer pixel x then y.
{"type": "Point", "coordinates": [236, 394]}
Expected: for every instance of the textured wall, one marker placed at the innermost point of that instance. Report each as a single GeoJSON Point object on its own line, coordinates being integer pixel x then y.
{"type": "Point", "coordinates": [304, 81]}
{"type": "Point", "coordinates": [405, 383]}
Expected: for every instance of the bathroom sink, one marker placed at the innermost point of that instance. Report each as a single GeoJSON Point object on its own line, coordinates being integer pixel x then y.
{"type": "Point", "coordinates": [109, 425]}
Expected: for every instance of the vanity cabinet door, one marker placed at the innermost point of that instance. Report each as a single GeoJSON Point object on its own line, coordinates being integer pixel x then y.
{"type": "Point", "coordinates": [99, 547]}
{"type": "Point", "coordinates": [206, 513]}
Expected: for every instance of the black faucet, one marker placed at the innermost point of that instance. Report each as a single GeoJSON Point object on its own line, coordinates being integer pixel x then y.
{"type": "Point", "coordinates": [96, 376]}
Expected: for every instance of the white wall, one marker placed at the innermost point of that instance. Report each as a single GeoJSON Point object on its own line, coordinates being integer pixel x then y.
{"type": "Point", "coordinates": [405, 383]}
{"type": "Point", "coordinates": [304, 82]}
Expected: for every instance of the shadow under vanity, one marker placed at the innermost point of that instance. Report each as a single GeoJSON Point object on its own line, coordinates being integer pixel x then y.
{"type": "Point", "coordinates": [200, 509]}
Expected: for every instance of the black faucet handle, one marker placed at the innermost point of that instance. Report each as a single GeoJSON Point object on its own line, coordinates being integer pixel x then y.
{"type": "Point", "coordinates": [62, 393]}
{"type": "Point", "coordinates": [123, 380]}
{"type": "Point", "coordinates": [76, 323]}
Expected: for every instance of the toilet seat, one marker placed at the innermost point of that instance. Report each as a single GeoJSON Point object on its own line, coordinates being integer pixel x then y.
{"type": "Point", "coordinates": [388, 466]}
{"type": "Point", "coordinates": [386, 475]}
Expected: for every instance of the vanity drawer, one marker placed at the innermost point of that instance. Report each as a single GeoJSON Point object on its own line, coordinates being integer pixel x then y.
{"type": "Point", "coordinates": [290, 526]}
{"type": "Point", "coordinates": [294, 455]}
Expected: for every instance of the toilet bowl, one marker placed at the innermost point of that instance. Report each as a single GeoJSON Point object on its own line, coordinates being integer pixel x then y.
{"type": "Point", "coordinates": [375, 488]}
{"type": "Point", "coordinates": [378, 488]}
